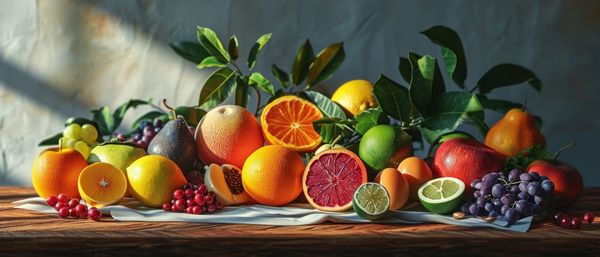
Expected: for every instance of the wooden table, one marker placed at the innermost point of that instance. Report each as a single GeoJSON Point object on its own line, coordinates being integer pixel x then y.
{"type": "Point", "coordinates": [26, 233]}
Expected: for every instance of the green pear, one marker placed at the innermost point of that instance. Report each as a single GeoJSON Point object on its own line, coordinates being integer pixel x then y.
{"type": "Point", "coordinates": [118, 155]}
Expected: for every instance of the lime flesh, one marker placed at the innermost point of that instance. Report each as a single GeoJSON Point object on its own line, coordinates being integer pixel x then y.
{"type": "Point", "coordinates": [371, 201]}
{"type": "Point", "coordinates": [441, 195]}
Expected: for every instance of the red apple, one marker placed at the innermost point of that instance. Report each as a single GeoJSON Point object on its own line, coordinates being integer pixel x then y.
{"type": "Point", "coordinates": [466, 159]}
{"type": "Point", "coordinates": [568, 182]}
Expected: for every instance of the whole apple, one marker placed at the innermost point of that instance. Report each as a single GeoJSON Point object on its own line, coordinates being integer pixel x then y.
{"type": "Point", "coordinates": [466, 159]}
{"type": "Point", "coordinates": [568, 182]}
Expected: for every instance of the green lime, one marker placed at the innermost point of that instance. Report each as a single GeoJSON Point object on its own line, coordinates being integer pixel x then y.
{"type": "Point", "coordinates": [371, 201]}
{"type": "Point", "coordinates": [445, 137]}
{"type": "Point", "coordinates": [384, 146]}
{"type": "Point", "coordinates": [442, 195]}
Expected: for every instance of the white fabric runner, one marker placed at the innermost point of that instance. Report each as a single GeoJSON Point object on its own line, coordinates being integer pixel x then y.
{"type": "Point", "coordinates": [290, 215]}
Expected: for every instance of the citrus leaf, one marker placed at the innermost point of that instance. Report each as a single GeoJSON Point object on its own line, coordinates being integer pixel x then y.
{"type": "Point", "coordinates": [191, 114]}
{"type": "Point", "coordinates": [497, 105]}
{"type": "Point", "coordinates": [326, 63]}
{"type": "Point", "coordinates": [211, 43]}
{"type": "Point", "coordinates": [233, 47]}
{"type": "Point", "coordinates": [449, 111]}
{"type": "Point", "coordinates": [327, 107]}
{"type": "Point", "coordinates": [405, 69]}
{"type": "Point", "coordinates": [119, 113]}
{"type": "Point", "coordinates": [302, 61]}
{"type": "Point", "coordinates": [217, 88]}
{"type": "Point", "coordinates": [146, 117]}
{"type": "Point", "coordinates": [452, 52]}
{"type": "Point", "coordinates": [507, 74]}
{"type": "Point", "coordinates": [262, 83]}
{"type": "Point", "coordinates": [53, 140]}
{"type": "Point", "coordinates": [367, 119]}
{"type": "Point", "coordinates": [393, 99]}
{"type": "Point", "coordinates": [105, 121]}
{"type": "Point", "coordinates": [426, 84]}
{"type": "Point", "coordinates": [330, 132]}
{"type": "Point", "coordinates": [241, 92]}
{"type": "Point", "coordinates": [258, 46]}
{"type": "Point", "coordinates": [191, 51]}
{"type": "Point", "coordinates": [281, 76]}
{"type": "Point", "coordinates": [210, 62]}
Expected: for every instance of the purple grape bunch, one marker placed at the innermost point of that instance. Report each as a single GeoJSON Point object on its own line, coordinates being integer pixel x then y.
{"type": "Point", "coordinates": [510, 197]}
{"type": "Point", "coordinates": [143, 134]}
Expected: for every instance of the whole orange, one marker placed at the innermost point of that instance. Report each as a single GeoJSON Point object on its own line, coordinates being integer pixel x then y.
{"type": "Point", "coordinates": [417, 173]}
{"type": "Point", "coordinates": [56, 171]}
{"type": "Point", "coordinates": [272, 175]}
{"type": "Point", "coordinates": [515, 132]}
{"type": "Point", "coordinates": [228, 135]}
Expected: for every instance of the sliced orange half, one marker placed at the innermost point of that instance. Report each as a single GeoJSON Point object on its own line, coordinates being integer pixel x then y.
{"type": "Point", "coordinates": [101, 184]}
{"type": "Point", "coordinates": [288, 121]}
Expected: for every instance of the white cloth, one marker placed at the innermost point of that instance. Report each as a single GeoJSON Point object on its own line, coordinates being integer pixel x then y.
{"type": "Point", "coordinates": [290, 215]}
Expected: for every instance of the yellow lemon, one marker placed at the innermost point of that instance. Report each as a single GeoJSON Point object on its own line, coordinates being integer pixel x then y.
{"type": "Point", "coordinates": [355, 96]}
{"type": "Point", "coordinates": [153, 178]}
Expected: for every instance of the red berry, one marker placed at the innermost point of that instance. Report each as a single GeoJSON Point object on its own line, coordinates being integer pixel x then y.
{"type": "Point", "coordinates": [203, 188]}
{"type": "Point", "coordinates": [189, 210]}
{"type": "Point", "coordinates": [52, 200]}
{"type": "Point", "coordinates": [94, 214]}
{"type": "Point", "coordinates": [166, 206]}
{"type": "Point", "coordinates": [81, 209]}
{"type": "Point", "coordinates": [189, 193]}
{"type": "Point", "coordinates": [73, 213]}
{"type": "Point", "coordinates": [209, 199]}
{"type": "Point", "coordinates": [190, 202]}
{"type": "Point", "coordinates": [565, 222]}
{"type": "Point", "coordinates": [180, 203]}
{"type": "Point", "coordinates": [63, 198]}
{"type": "Point", "coordinates": [219, 205]}
{"type": "Point", "coordinates": [196, 210]}
{"type": "Point", "coordinates": [575, 223]}
{"type": "Point", "coordinates": [60, 205]}
{"type": "Point", "coordinates": [588, 217]}
{"type": "Point", "coordinates": [187, 186]}
{"type": "Point", "coordinates": [73, 203]}
{"type": "Point", "coordinates": [210, 208]}
{"type": "Point", "coordinates": [63, 212]}
{"type": "Point", "coordinates": [174, 208]}
{"type": "Point", "coordinates": [178, 194]}
{"type": "Point", "coordinates": [199, 199]}
{"type": "Point", "coordinates": [197, 192]}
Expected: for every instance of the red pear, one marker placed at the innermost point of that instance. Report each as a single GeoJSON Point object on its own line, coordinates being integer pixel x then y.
{"type": "Point", "coordinates": [466, 159]}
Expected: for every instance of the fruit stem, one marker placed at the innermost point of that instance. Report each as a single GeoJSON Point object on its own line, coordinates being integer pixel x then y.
{"type": "Point", "coordinates": [524, 106]}
{"type": "Point", "coordinates": [257, 101]}
{"type": "Point", "coordinates": [336, 140]}
{"type": "Point", "coordinates": [164, 101]}
{"type": "Point", "coordinates": [563, 149]}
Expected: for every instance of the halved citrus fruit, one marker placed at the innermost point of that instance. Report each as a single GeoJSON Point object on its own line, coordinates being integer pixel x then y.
{"type": "Point", "coordinates": [442, 195]}
{"type": "Point", "coordinates": [101, 184]}
{"type": "Point", "coordinates": [331, 178]}
{"type": "Point", "coordinates": [288, 121]}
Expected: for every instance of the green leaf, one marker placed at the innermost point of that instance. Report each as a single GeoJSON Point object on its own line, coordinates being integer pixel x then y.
{"type": "Point", "coordinates": [211, 43]}
{"type": "Point", "coordinates": [449, 112]}
{"type": "Point", "coordinates": [497, 105]}
{"type": "Point", "coordinates": [326, 63]}
{"type": "Point", "coordinates": [367, 119]}
{"type": "Point", "coordinates": [105, 121]}
{"type": "Point", "coordinates": [53, 140]}
{"type": "Point", "coordinates": [327, 107]}
{"type": "Point", "coordinates": [393, 99]}
{"type": "Point", "coordinates": [452, 52]}
{"type": "Point", "coordinates": [302, 61]}
{"type": "Point", "coordinates": [233, 48]}
{"type": "Point", "coordinates": [191, 51]}
{"type": "Point", "coordinates": [217, 88]}
{"type": "Point", "coordinates": [149, 116]}
{"type": "Point", "coordinates": [210, 62]}
{"type": "Point", "coordinates": [262, 83]}
{"type": "Point", "coordinates": [241, 92]}
{"type": "Point", "coordinates": [258, 46]}
{"type": "Point", "coordinates": [281, 76]}
{"type": "Point", "coordinates": [426, 84]}
{"type": "Point", "coordinates": [507, 74]}
{"type": "Point", "coordinates": [405, 69]}
{"type": "Point", "coordinates": [330, 132]}
{"type": "Point", "coordinates": [122, 109]}
{"type": "Point", "coordinates": [330, 120]}
{"type": "Point", "coordinates": [191, 114]}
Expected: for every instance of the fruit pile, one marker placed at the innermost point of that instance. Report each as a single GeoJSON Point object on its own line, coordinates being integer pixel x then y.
{"type": "Point", "coordinates": [351, 152]}
{"type": "Point", "coordinates": [71, 207]}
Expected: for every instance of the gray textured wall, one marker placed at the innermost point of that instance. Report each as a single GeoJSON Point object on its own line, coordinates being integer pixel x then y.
{"type": "Point", "coordinates": [62, 58]}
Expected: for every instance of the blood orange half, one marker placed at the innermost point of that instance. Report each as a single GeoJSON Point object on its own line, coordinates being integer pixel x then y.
{"type": "Point", "coordinates": [331, 177]}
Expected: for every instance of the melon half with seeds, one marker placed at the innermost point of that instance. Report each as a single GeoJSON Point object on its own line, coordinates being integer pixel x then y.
{"type": "Point", "coordinates": [226, 182]}
{"type": "Point", "coordinates": [331, 178]}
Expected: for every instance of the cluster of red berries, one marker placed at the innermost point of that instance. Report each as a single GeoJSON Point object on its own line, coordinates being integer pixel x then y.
{"type": "Point", "coordinates": [193, 199]}
{"type": "Point", "coordinates": [71, 207]}
{"type": "Point", "coordinates": [573, 222]}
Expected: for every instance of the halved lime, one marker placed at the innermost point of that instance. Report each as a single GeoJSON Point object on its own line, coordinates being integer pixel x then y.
{"type": "Point", "coordinates": [371, 201]}
{"type": "Point", "coordinates": [442, 195]}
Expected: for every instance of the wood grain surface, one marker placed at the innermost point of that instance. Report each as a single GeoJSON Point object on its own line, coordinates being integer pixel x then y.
{"type": "Point", "coordinates": [27, 233]}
